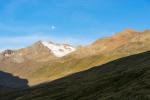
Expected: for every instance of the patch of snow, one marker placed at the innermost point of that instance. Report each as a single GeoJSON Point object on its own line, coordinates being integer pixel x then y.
{"type": "Point", "coordinates": [59, 50]}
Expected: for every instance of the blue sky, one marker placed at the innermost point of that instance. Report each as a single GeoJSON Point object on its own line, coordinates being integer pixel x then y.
{"type": "Point", "coordinates": [23, 22]}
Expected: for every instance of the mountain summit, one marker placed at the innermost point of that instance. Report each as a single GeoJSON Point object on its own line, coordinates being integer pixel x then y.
{"type": "Point", "coordinates": [39, 51]}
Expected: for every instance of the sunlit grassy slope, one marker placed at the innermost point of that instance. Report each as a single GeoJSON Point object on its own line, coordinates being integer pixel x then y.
{"type": "Point", "coordinates": [102, 51]}
{"type": "Point", "coordinates": [72, 65]}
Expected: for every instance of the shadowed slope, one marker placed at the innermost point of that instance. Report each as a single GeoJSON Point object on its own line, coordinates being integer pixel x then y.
{"type": "Point", "coordinates": [123, 79]}
{"type": "Point", "coordinates": [9, 83]}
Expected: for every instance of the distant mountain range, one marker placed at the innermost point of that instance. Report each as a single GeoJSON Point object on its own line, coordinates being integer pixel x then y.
{"type": "Point", "coordinates": [47, 61]}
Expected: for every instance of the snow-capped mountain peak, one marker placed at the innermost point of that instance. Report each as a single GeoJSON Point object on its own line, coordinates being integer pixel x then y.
{"type": "Point", "coordinates": [59, 50]}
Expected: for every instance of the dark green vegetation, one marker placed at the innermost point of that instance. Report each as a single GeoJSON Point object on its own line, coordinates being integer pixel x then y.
{"type": "Point", "coordinates": [127, 78]}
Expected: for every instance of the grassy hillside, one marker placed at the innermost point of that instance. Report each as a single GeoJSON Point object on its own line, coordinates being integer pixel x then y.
{"type": "Point", "coordinates": [100, 52]}
{"type": "Point", "coordinates": [127, 78]}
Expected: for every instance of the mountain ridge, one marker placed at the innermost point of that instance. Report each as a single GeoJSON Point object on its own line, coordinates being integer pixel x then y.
{"type": "Point", "coordinates": [83, 58]}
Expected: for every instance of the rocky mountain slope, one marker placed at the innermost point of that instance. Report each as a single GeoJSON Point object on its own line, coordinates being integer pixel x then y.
{"type": "Point", "coordinates": [47, 66]}
{"type": "Point", "coordinates": [122, 79]}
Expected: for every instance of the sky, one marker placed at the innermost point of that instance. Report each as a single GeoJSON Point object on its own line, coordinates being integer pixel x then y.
{"type": "Point", "coordinates": [77, 22]}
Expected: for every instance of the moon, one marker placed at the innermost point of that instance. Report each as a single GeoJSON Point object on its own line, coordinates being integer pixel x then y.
{"type": "Point", "coordinates": [53, 27]}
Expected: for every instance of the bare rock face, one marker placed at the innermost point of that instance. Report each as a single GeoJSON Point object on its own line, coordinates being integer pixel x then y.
{"type": "Point", "coordinates": [8, 53]}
